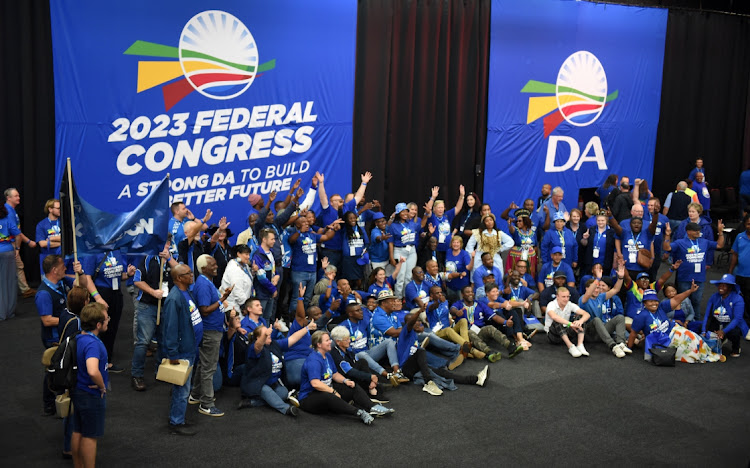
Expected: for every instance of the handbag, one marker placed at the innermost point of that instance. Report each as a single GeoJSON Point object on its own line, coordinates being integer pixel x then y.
{"type": "Point", "coordinates": [645, 259]}
{"type": "Point", "coordinates": [663, 356]}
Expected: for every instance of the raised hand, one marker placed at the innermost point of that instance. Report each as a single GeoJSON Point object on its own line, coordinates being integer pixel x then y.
{"type": "Point", "coordinates": [461, 190]}
{"type": "Point", "coordinates": [431, 228]}
{"type": "Point", "coordinates": [321, 177]}
{"type": "Point", "coordinates": [366, 177]}
{"type": "Point", "coordinates": [209, 213]}
{"type": "Point", "coordinates": [676, 265]}
{"type": "Point", "coordinates": [586, 235]}
{"type": "Point", "coordinates": [324, 263]}
{"type": "Point", "coordinates": [223, 223]}
{"type": "Point", "coordinates": [513, 205]}
{"type": "Point", "coordinates": [296, 184]}
{"type": "Point", "coordinates": [302, 290]}
{"type": "Point", "coordinates": [435, 191]}
{"type": "Point", "coordinates": [720, 225]}
{"type": "Point", "coordinates": [299, 193]}
{"type": "Point", "coordinates": [272, 195]}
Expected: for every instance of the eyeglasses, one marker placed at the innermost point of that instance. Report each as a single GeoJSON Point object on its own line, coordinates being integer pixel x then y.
{"type": "Point", "coordinates": [105, 320]}
{"type": "Point", "coordinates": [189, 273]}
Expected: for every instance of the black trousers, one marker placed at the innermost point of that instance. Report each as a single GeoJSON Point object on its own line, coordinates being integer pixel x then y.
{"type": "Point", "coordinates": [417, 362]}
{"type": "Point", "coordinates": [734, 335]}
{"type": "Point", "coordinates": [114, 301]}
{"type": "Point", "coordinates": [324, 402]}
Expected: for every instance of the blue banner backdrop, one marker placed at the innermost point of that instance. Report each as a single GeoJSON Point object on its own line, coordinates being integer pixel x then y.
{"type": "Point", "coordinates": [574, 96]}
{"type": "Point", "coordinates": [241, 98]}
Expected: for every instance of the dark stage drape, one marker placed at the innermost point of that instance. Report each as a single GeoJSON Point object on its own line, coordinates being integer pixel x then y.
{"type": "Point", "coordinates": [705, 108]}
{"type": "Point", "coordinates": [420, 106]}
{"type": "Point", "coordinates": [27, 113]}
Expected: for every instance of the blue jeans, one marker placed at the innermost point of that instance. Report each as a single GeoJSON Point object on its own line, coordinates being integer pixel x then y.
{"type": "Point", "coordinates": [695, 298]}
{"type": "Point", "coordinates": [440, 351]}
{"type": "Point", "coordinates": [378, 352]}
{"type": "Point", "coordinates": [307, 278]}
{"type": "Point", "coordinates": [294, 372]}
{"type": "Point", "coordinates": [144, 335]}
{"type": "Point", "coordinates": [274, 396]}
{"type": "Point", "coordinates": [178, 405]}
{"type": "Point", "coordinates": [269, 308]}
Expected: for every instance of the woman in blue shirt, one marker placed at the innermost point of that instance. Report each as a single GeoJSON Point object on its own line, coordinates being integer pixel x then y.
{"type": "Point", "coordinates": [457, 260]}
{"type": "Point", "coordinates": [653, 322]}
{"type": "Point", "coordinates": [604, 191]}
{"type": "Point", "coordinates": [403, 244]}
{"type": "Point", "coordinates": [379, 242]}
{"type": "Point", "coordinates": [739, 263]}
{"type": "Point", "coordinates": [560, 236]}
{"type": "Point", "coordinates": [352, 248]}
{"type": "Point", "coordinates": [8, 279]}
{"type": "Point", "coordinates": [325, 390]}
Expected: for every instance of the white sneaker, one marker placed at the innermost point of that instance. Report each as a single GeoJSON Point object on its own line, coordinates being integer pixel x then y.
{"type": "Point", "coordinates": [574, 351]}
{"type": "Point", "coordinates": [283, 328]}
{"type": "Point", "coordinates": [482, 376]}
{"type": "Point", "coordinates": [625, 348]}
{"type": "Point", "coordinates": [618, 352]}
{"type": "Point", "coordinates": [432, 389]}
{"type": "Point", "coordinates": [747, 337]}
{"type": "Point", "coordinates": [582, 350]}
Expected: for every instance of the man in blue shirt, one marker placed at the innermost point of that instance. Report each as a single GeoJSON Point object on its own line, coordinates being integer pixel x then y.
{"type": "Point", "coordinates": [739, 263]}
{"type": "Point", "coordinates": [12, 200]}
{"type": "Point", "coordinates": [48, 231]}
{"type": "Point", "coordinates": [597, 302]}
{"type": "Point", "coordinates": [88, 396]}
{"type": "Point", "coordinates": [553, 206]}
{"type": "Point", "coordinates": [51, 301]}
{"type": "Point", "coordinates": [692, 251]}
{"type": "Point", "coordinates": [333, 211]}
{"type": "Point", "coordinates": [417, 291]}
{"type": "Point", "coordinates": [182, 330]}
{"type": "Point", "coordinates": [548, 270]}
{"type": "Point", "coordinates": [211, 308]}
{"type": "Point", "coordinates": [486, 268]}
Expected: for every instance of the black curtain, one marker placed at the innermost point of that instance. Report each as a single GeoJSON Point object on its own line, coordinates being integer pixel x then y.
{"type": "Point", "coordinates": [705, 108]}
{"type": "Point", "coordinates": [420, 105]}
{"type": "Point", "coordinates": [27, 115]}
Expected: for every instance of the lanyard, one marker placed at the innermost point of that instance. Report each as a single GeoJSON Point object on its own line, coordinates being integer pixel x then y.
{"type": "Point", "coordinates": [59, 288]}
{"type": "Point", "coordinates": [695, 245]}
{"type": "Point", "coordinates": [515, 293]}
{"type": "Point", "coordinates": [599, 235]}
{"type": "Point", "coordinates": [244, 268]}
{"type": "Point", "coordinates": [656, 319]}
{"type": "Point", "coordinates": [562, 238]}
{"type": "Point", "coordinates": [635, 238]}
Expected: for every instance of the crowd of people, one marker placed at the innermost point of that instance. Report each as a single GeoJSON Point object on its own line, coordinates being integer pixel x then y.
{"type": "Point", "coordinates": [319, 309]}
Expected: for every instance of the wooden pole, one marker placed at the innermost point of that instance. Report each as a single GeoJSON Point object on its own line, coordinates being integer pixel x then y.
{"type": "Point", "coordinates": [72, 216]}
{"type": "Point", "coordinates": [161, 279]}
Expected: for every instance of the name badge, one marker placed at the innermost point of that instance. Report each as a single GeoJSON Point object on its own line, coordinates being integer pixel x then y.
{"type": "Point", "coordinates": [596, 252]}
{"type": "Point", "coordinates": [697, 267]}
{"type": "Point", "coordinates": [632, 257]}
{"type": "Point", "coordinates": [311, 259]}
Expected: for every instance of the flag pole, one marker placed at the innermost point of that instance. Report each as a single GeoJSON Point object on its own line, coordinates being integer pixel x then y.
{"type": "Point", "coordinates": [161, 281]}
{"type": "Point", "coordinates": [72, 215]}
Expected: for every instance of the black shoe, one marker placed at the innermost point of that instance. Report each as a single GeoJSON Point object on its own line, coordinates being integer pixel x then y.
{"type": "Point", "coordinates": [67, 456]}
{"type": "Point", "coordinates": [292, 411]}
{"type": "Point", "coordinates": [513, 351]}
{"type": "Point", "coordinates": [49, 411]}
{"type": "Point", "coordinates": [138, 384]}
{"type": "Point", "coordinates": [181, 430]}
{"type": "Point", "coordinates": [244, 403]}
{"type": "Point", "coordinates": [115, 369]}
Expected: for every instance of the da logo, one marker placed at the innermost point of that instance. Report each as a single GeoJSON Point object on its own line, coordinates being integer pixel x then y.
{"type": "Point", "coordinates": [217, 56]}
{"type": "Point", "coordinates": [578, 97]}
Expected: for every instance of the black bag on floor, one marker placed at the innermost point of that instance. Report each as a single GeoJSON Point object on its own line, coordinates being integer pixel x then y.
{"type": "Point", "coordinates": [663, 356]}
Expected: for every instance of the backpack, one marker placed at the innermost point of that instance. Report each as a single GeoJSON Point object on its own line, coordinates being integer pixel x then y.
{"type": "Point", "coordinates": [63, 368]}
{"type": "Point", "coordinates": [49, 352]}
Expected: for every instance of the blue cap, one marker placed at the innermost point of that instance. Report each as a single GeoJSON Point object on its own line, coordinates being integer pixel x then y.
{"type": "Point", "coordinates": [649, 295]}
{"type": "Point", "coordinates": [556, 250]}
{"type": "Point", "coordinates": [364, 259]}
{"type": "Point", "coordinates": [642, 274]}
{"type": "Point", "coordinates": [726, 279]}
{"type": "Point", "coordinates": [558, 216]}
{"type": "Point", "coordinates": [401, 207]}
{"type": "Point", "coordinates": [377, 215]}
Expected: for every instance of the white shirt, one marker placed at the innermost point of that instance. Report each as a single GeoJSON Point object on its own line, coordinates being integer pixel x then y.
{"type": "Point", "coordinates": [562, 313]}
{"type": "Point", "coordinates": [239, 276]}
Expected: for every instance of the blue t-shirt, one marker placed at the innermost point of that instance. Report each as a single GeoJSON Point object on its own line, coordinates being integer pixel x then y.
{"type": "Point", "coordinates": [548, 270]}
{"type": "Point", "coordinates": [631, 243]}
{"type": "Point", "coordinates": [648, 323]}
{"type": "Point", "coordinates": [305, 251]}
{"type": "Point", "coordinates": [250, 325]}
{"type": "Point", "coordinates": [364, 217]}
{"type": "Point", "coordinates": [358, 334]}
{"type": "Point", "coordinates": [602, 308]}
{"type": "Point", "coordinates": [330, 215]}
{"type": "Point", "coordinates": [633, 298]}
{"type": "Point", "coordinates": [693, 256]}
{"type": "Point", "coordinates": [378, 250]}
{"type": "Point", "coordinates": [8, 233]}
{"type": "Point", "coordinates": [206, 294]}
{"type": "Point", "coordinates": [481, 272]}
{"type": "Point", "coordinates": [604, 193]}
{"type": "Point", "coordinates": [375, 288]}
{"type": "Point", "coordinates": [44, 230]}
{"type": "Point", "coordinates": [742, 247]}
{"type": "Point", "coordinates": [404, 234]}
{"type": "Point", "coordinates": [443, 229]}
{"type": "Point", "coordinates": [301, 349]}
{"type": "Point", "coordinates": [414, 290]}
{"type": "Point", "coordinates": [195, 317]}
{"type": "Point", "coordinates": [177, 228]}
{"type": "Point", "coordinates": [518, 294]}
{"type": "Point", "coordinates": [408, 344]}
{"type": "Point", "coordinates": [110, 273]}
{"type": "Point", "coordinates": [354, 245]}
{"type": "Point", "coordinates": [457, 264]}
{"type": "Point", "coordinates": [44, 305]}
{"type": "Point", "coordinates": [90, 346]}
{"type": "Point", "coordinates": [599, 245]}
{"type": "Point", "coordinates": [477, 314]}
{"type": "Point", "coordinates": [440, 315]}
{"type": "Point", "coordinates": [316, 367]}
{"type": "Point", "coordinates": [564, 239]}
{"type": "Point", "coordinates": [380, 323]}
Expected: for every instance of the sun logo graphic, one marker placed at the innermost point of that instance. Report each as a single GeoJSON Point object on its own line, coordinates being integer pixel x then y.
{"type": "Point", "coordinates": [578, 96]}
{"type": "Point", "coordinates": [216, 56]}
